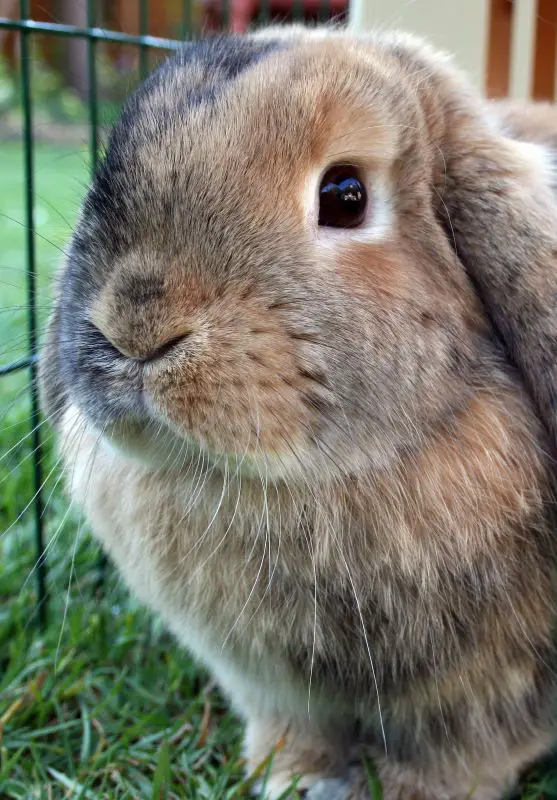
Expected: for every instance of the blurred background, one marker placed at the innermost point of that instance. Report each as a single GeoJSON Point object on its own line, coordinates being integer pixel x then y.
{"type": "Point", "coordinates": [96, 701]}
{"type": "Point", "coordinates": [508, 47]}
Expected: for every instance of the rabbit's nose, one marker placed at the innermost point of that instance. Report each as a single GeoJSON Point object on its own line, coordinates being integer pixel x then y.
{"type": "Point", "coordinates": [141, 343]}
{"type": "Point", "coordinates": [166, 348]}
{"type": "Point", "coordinates": [154, 351]}
{"type": "Point", "coordinates": [142, 318]}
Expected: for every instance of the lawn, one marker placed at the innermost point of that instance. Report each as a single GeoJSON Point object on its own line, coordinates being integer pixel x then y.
{"type": "Point", "coordinates": [102, 703]}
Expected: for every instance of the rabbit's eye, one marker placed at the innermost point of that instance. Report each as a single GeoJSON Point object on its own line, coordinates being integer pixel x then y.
{"type": "Point", "coordinates": [342, 198]}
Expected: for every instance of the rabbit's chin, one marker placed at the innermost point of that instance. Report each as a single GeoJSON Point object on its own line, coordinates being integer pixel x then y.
{"type": "Point", "coordinates": [158, 446]}
{"type": "Point", "coordinates": [153, 444]}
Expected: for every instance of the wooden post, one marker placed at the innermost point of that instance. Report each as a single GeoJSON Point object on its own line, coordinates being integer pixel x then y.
{"type": "Point", "coordinates": [499, 48]}
{"type": "Point", "coordinates": [543, 84]}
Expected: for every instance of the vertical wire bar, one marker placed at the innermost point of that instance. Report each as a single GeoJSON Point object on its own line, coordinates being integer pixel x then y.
{"type": "Point", "coordinates": [225, 16]}
{"type": "Point", "coordinates": [26, 97]}
{"type": "Point", "coordinates": [93, 103]}
{"type": "Point", "coordinates": [298, 11]}
{"type": "Point", "coordinates": [265, 12]}
{"type": "Point", "coordinates": [93, 98]}
{"type": "Point", "coordinates": [143, 31]}
{"type": "Point", "coordinates": [186, 28]}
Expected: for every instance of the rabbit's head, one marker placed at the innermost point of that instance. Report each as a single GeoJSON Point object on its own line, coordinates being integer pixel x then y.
{"type": "Point", "coordinates": [264, 268]}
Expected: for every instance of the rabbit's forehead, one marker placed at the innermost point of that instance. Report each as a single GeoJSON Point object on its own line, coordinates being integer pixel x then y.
{"type": "Point", "coordinates": [229, 136]}
{"type": "Point", "coordinates": [264, 113]}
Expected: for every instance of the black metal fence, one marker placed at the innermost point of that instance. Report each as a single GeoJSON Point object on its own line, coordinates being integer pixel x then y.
{"type": "Point", "coordinates": [27, 28]}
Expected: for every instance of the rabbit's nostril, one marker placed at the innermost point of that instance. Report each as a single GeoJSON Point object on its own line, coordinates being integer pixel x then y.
{"type": "Point", "coordinates": [136, 343]}
{"type": "Point", "coordinates": [165, 348]}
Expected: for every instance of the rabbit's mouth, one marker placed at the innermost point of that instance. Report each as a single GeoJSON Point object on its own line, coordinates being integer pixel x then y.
{"type": "Point", "coordinates": [234, 387]}
{"type": "Point", "coordinates": [157, 412]}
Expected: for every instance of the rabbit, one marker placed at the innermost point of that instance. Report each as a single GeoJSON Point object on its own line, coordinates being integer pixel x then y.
{"type": "Point", "coordinates": [517, 278]}
{"type": "Point", "coordinates": [289, 407]}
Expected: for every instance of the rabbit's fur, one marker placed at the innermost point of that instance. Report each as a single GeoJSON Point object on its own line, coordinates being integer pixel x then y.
{"type": "Point", "coordinates": [305, 447]}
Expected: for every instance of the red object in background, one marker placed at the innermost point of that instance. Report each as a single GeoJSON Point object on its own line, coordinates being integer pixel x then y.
{"type": "Point", "coordinates": [242, 13]}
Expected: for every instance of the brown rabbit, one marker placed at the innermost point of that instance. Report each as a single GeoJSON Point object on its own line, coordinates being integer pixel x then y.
{"type": "Point", "coordinates": [512, 257]}
{"type": "Point", "coordinates": [290, 420]}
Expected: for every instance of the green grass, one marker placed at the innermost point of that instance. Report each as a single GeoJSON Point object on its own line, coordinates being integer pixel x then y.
{"type": "Point", "coordinates": [103, 703]}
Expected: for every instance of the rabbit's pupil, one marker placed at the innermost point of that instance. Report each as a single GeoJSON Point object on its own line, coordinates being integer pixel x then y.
{"type": "Point", "coordinates": [342, 198]}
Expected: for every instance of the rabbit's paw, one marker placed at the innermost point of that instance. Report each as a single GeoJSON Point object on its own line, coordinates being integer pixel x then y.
{"type": "Point", "coordinates": [305, 755]}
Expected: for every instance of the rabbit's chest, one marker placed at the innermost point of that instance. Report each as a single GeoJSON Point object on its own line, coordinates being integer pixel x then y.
{"type": "Point", "coordinates": [232, 585]}
{"type": "Point", "coordinates": [239, 580]}
{"type": "Point", "coordinates": [203, 553]}
{"type": "Point", "coordinates": [250, 599]}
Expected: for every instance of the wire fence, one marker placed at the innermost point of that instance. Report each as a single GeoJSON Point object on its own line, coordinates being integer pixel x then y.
{"type": "Point", "coordinates": [27, 28]}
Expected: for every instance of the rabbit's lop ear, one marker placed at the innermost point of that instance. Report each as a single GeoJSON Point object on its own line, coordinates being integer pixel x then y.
{"type": "Point", "coordinates": [495, 197]}
{"type": "Point", "coordinates": [499, 208]}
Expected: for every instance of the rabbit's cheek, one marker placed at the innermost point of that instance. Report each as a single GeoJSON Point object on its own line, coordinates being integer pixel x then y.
{"type": "Point", "coordinates": [242, 392]}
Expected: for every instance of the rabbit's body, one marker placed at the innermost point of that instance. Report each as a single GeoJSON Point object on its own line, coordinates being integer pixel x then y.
{"type": "Point", "coordinates": [457, 635]}
{"type": "Point", "coordinates": [342, 498]}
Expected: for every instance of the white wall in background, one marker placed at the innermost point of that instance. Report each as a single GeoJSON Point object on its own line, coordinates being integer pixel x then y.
{"type": "Point", "coordinates": [458, 26]}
